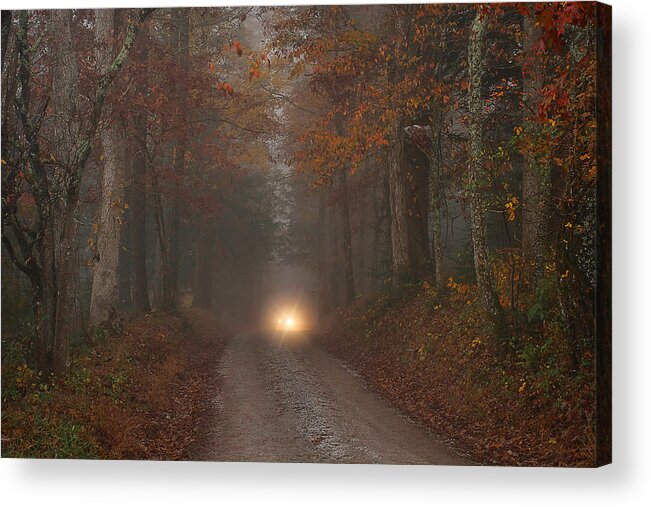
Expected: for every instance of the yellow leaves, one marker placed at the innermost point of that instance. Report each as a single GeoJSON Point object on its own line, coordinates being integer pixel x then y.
{"type": "Point", "coordinates": [568, 225]}
{"type": "Point", "coordinates": [461, 292]}
{"type": "Point", "coordinates": [475, 343]}
{"type": "Point", "coordinates": [522, 387]}
{"type": "Point", "coordinates": [585, 156]}
{"type": "Point", "coordinates": [451, 283]}
{"type": "Point", "coordinates": [510, 208]}
{"type": "Point", "coordinates": [552, 441]}
{"type": "Point", "coordinates": [591, 174]}
{"type": "Point", "coordinates": [517, 130]}
{"type": "Point", "coordinates": [565, 275]}
{"type": "Point", "coordinates": [24, 376]}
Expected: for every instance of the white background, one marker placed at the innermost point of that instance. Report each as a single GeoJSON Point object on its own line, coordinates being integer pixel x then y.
{"type": "Point", "coordinates": [626, 482]}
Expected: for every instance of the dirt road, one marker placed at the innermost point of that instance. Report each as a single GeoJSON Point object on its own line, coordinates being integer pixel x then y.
{"type": "Point", "coordinates": [290, 401]}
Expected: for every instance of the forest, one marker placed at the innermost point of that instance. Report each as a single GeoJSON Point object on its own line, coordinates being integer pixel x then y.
{"type": "Point", "coordinates": [419, 192]}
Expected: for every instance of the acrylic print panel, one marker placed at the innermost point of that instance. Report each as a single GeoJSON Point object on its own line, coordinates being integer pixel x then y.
{"type": "Point", "coordinates": [335, 234]}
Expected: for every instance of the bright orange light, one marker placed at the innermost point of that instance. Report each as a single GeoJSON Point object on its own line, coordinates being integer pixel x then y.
{"type": "Point", "coordinates": [288, 317]}
{"type": "Point", "coordinates": [288, 323]}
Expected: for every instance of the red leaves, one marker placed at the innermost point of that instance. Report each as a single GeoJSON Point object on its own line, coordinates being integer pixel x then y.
{"type": "Point", "coordinates": [553, 97]}
{"type": "Point", "coordinates": [236, 46]}
{"type": "Point", "coordinates": [554, 18]}
{"type": "Point", "coordinates": [254, 72]}
{"type": "Point", "coordinates": [226, 89]}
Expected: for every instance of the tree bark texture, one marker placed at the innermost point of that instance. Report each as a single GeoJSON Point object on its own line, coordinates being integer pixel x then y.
{"type": "Point", "coordinates": [536, 176]}
{"type": "Point", "coordinates": [170, 271]}
{"type": "Point", "coordinates": [476, 177]}
{"type": "Point", "coordinates": [347, 245]}
{"type": "Point", "coordinates": [138, 204]}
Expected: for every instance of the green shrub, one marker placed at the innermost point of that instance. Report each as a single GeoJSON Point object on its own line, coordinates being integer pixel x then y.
{"type": "Point", "coordinates": [62, 438]}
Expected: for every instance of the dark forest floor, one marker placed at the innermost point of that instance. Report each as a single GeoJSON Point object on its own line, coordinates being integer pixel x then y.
{"type": "Point", "coordinates": [135, 394]}
{"type": "Point", "coordinates": [434, 359]}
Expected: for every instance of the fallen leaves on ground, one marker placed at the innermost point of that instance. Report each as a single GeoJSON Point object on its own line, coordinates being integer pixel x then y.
{"type": "Point", "coordinates": [437, 363]}
{"type": "Point", "coordinates": [139, 394]}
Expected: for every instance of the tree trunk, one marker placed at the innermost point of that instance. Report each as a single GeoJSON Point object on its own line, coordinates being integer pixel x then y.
{"type": "Point", "coordinates": [322, 275]}
{"type": "Point", "coordinates": [349, 282]}
{"type": "Point", "coordinates": [104, 296]}
{"type": "Point", "coordinates": [105, 289]}
{"type": "Point", "coordinates": [170, 272]}
{"type": "Point", "coordinates": [204, 268]}
{"type": "Point", "coordinates": [428, 140]}
{"type": "Point", "coordinates": [398, 204]}
{"type": "Point", "coordinates": [6, 16]}
{"type": "Point", "coordinates": [59, 304]}
{"type": "Point", "coordinates": [407, 180]}
{"type": "Point", "coordinates": [536, 177]}
{"type": "Point", "coordinates": [61, 231]}
{"type": "Point", "coordinates": [377, 212]}
{"type": "Point", "coordinates": [476, 179]}
{"type": "Point", "coordinates": [138, 204]}
{"type": "Point", "coordinates": [67, 316]}
{"type": "Point", "coordinates": [418, 204]}
{"type": "Point", "coordinates": [435, 199]}
{"type": "Point", "coordinates": [335, 273]}
{"type": "Point", "coordinates": [363, 207]}
{"type": "Point", "coordinates": [124, 261]}
{"type": "Point", "coordinates": [139, 233]}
